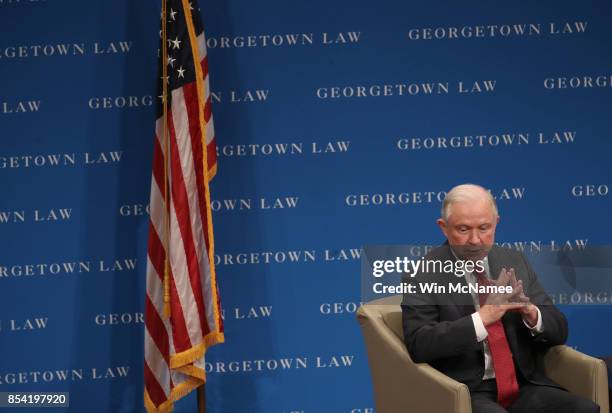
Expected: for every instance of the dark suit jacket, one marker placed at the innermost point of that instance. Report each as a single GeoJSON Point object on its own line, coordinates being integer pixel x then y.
{"type": "Point", "coordinates": [438, 328]}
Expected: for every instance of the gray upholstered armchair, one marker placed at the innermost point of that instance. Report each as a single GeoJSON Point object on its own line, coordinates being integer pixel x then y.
{"type": "Point", "coordinates": [402, 386]}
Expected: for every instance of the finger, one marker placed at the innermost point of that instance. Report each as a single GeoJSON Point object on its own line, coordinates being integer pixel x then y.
{"type": "Point", "coordinates": [516, 291]}
{"type": "Point", "coordinates": [513, 277]}
{"type": "Point", "coordinates": [503, 277]}
{"type": "Point", "coordinates": [523, 289]}
{"type": "Point", "coordinates": [514, 306]}
{"type": "Point", "coordinates": [519, 299]}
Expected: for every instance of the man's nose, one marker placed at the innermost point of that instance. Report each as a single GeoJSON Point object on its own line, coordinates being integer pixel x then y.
{"type": "Point", "coordinates": [474, 238]}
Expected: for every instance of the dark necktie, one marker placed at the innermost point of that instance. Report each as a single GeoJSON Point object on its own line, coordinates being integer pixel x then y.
{"type": "Point", "coordinates": [505, 376]}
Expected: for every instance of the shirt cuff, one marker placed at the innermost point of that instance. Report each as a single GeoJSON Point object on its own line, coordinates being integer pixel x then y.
{"type": "Point", "coordinates": [537, 329]}
{"type": "Point", "coordinates": [479, 327]}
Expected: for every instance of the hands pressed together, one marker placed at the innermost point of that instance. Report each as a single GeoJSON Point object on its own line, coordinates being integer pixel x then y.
{"type": "Point", "coordinates": [497, 304]}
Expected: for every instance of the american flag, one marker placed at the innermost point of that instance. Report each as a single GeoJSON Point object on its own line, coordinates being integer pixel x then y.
{"type": "Point", "coordinates": [182, 309]}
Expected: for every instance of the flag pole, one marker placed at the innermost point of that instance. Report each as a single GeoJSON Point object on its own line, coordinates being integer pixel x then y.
{"type": "Point", "coordinates": [166, 143]}
{"type": "Point", "coordinates": [202, 399]}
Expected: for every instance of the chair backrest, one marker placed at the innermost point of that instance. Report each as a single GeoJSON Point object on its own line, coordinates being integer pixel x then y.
{"type": "Point", "coordinates": [391, 313]}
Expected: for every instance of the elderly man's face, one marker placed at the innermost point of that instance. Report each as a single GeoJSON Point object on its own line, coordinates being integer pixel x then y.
{"type": "Point", "coordinates": [470, 228]}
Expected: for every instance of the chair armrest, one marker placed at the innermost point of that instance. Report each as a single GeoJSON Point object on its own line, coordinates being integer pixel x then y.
{"type": "Point", "coordinates": [580, 374]}
{"type": "Point", "coordinates": [399, 384]}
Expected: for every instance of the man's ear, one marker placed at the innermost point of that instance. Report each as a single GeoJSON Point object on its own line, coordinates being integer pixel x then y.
{"type": "Point", "coordinates": [442, 224]}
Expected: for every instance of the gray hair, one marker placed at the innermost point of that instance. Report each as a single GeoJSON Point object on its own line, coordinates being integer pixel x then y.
{"type": "Point", "coordinates": [466, 192]}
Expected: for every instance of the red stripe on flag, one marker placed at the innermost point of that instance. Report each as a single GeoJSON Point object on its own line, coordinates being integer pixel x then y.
{"type": "Point", "coordinates": [156, 393]}
{"type": "Point", "coordinates": [179, 327]}
{"type": "Point", "coordinates": [211, 152]}
{"type": "Point", "coordinates": [157, 330]}
{"type": "Point", "coordinates": [156, 251]}
{"type": "Point", "coordinates": [180, 335]}
{"type": "Point", "coordinates": [204, 65]}
{"type": "Point", "coordinates": [181, 207]}
{"type": "Point", "coordinates": [158, 166]}
{"type": "Point", "coordinates": [190, 93]}
{"type": "Point", "coordinates": [207, 111]}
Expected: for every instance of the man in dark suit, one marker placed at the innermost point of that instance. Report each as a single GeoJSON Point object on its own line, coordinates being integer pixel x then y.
{"type": "Point", "coordinates": [494, 343]}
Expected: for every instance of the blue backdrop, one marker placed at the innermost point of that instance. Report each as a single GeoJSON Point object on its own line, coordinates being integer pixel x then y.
{"type": "Point", "coordinates": [339, 124]}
